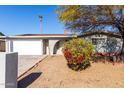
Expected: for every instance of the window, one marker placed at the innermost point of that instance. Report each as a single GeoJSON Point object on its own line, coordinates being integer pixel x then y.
{"type": "Point", "coordinates": [94, 41]}
{"type": "Point", "coordinates": [2, 46]}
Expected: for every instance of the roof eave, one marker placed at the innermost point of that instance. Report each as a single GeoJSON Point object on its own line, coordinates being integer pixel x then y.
{"type": "Point", "coordinates": [33, 37]}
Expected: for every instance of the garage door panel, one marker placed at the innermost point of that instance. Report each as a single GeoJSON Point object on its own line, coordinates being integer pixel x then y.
{"type": "Point", "coordinates": [27, 47]}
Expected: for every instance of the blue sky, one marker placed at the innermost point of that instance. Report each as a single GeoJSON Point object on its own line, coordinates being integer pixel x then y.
{"type": "Point", "coordinates": [24, 20]}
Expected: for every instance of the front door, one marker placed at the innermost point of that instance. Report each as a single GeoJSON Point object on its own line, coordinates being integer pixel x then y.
{"type": "Point", "coordinates": [45, 46]}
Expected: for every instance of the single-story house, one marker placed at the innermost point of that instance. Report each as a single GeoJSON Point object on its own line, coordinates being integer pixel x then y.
{"type": "Point", "coordinates": [41, 44]}
{"type": "Point", "coordinates": [35, 44]}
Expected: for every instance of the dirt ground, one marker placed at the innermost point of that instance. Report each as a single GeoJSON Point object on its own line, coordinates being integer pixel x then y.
{"type": "Point", "coordinates": [53, 72]}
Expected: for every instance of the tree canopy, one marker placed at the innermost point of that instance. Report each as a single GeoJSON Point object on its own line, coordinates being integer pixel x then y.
{"type": "Point", "coordinates": [82, 18]}
{"type": "Point", "coordinates": [86, 18]}
{"type": "Point", "coordinates": [1, 34]}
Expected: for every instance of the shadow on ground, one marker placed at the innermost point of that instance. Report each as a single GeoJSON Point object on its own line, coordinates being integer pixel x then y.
{"type": "Point", "coordinates": [26, 81]}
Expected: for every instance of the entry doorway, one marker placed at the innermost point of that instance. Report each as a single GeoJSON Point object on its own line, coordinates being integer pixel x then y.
{"type": "Point", "coordinates": [58, 47]}
{"type": "Point", "coordinates": [45, 46]}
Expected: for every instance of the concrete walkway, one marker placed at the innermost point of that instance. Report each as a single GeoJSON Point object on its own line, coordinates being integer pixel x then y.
{"type": "Point", "coordinates": [26, 62]}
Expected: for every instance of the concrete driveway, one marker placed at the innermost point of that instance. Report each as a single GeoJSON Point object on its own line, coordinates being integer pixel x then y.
{"type": "Point", "coordinates": [25, 62]}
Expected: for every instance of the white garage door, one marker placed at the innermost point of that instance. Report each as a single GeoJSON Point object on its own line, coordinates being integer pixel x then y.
{"type": "Point", "coordinates": [27, 47]}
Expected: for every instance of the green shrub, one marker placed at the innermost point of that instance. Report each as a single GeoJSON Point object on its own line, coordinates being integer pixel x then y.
{"type": "Point", "coordinates": [78, 53]}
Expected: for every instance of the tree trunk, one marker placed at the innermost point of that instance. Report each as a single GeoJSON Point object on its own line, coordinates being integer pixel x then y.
{"type": "Point", "coordinates": [121, 30]}
{"type": "Point", "coordinates": [122, 50]}
{"type": "Point", "coordinates": [122, 36]}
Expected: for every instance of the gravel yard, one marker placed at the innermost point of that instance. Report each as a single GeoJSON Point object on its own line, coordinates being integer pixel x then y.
{"type": "Point", "coordinates": [54, 73]}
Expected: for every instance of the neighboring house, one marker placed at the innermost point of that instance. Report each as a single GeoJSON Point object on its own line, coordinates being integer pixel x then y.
{"type": "Point", "coordinates": [40, 44]}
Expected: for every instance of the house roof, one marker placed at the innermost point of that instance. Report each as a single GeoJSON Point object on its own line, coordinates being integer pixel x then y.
{"type": "Point", "coordinates": [38, 36]}
{"type": "Point", "coordinates": [110, 34]}
{"type": "Point", "coordinates": [43, 35]}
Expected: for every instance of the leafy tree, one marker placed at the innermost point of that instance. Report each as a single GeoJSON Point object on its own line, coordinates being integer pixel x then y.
{"type": "Point", "coordinates": [1, 34]}
{"type": "Point", "coordinates": [91, 18]}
